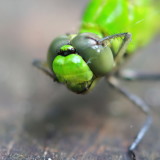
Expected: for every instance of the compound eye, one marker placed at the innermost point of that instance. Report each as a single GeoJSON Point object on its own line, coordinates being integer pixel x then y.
{"type": "Point", "coordinates": [56, 44]}
{"type": "Point", "coordinates": [66, 50]}
{"type": "Point", "coordinates": [98, 56]}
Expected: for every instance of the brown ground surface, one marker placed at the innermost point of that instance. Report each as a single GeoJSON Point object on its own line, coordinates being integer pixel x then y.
{"type": "Point", "coordinates": [41, 120]}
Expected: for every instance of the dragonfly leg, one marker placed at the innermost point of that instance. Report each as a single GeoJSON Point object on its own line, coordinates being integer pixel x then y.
{"type": "Point", "coordinates": [142, 106]}
{"type": "Point", "coordinates": [132, 75]}
{"type": "Point", "coordinates": [123, 46]}
{"type": "Point", "coordinates": [43, 67]}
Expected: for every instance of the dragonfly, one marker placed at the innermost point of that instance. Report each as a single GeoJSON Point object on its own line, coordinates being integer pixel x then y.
{"type": "Point", "coordinates": [110, 32]}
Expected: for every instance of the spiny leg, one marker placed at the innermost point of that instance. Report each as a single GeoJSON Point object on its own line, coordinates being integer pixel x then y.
{"type": "Point", "coordinates": [131, 75]}
{"type": "Point", "coordinates": [142, 106]}
{"type": "Point", "coordinates": [43, 67]}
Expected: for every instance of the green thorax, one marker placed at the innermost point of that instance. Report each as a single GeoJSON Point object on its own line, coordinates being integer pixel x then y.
{"type": "Point", "coordinates": [108, 17]}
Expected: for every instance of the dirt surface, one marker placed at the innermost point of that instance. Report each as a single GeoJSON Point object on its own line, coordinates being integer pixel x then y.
{"type": "Point", "coordinates": [42, 120]}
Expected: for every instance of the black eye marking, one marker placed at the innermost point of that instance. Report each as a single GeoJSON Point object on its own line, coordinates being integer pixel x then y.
{"type": "Point", "coordinates": [66, 50]}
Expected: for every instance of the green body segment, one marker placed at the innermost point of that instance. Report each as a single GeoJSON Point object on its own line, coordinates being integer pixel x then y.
{"type": "Point", "coordinates": [73, 71]}
{"type": "Point", "coordinates": [108, 17]}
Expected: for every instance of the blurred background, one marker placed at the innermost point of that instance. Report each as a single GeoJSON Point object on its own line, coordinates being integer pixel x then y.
{"type": "Point", "coordinates": [42, 119]}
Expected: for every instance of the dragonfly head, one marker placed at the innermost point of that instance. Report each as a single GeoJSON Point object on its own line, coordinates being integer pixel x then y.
{"type": "Point", "coordinates": [79, 60]}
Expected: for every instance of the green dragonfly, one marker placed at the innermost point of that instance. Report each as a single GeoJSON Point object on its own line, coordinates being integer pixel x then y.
{"type": "Point", "coordinates": [101, 46]}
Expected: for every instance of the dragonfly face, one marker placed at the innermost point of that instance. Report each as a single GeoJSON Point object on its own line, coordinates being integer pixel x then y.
{"type": "Point", "coordinates": [79, 60]}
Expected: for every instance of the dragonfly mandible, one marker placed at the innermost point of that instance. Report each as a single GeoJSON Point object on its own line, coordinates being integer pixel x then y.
{"type": "Point", "coordinates": [101, 46]}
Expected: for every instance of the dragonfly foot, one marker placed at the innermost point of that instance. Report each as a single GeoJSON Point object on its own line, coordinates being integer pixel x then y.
{"type": "Point", "coordinates": [131, 155]}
